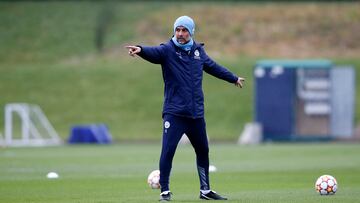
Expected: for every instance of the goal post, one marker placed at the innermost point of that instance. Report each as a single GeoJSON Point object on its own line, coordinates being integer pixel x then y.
{"type": "Point", "coordinates": [35, 128]}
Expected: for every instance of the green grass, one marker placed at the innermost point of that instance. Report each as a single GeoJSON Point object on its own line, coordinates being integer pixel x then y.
{"type": "Point", "coordinates": [125, 94]}
{"type": "Point", "coordinates": [48, 57]}
{"type": "Point", "coordinates": [52, 31]}
{"type": "Point", "coordinates": [117, 173]}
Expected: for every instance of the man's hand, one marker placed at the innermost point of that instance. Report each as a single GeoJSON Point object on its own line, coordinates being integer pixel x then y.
{"type": "Point", "coordinates": [239, 82]}
{"type": "Point", "coordinates": [133, 50]}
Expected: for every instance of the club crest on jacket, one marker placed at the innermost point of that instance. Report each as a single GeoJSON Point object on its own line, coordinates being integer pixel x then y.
{"type": "Point", "coordinates": [196, 54]}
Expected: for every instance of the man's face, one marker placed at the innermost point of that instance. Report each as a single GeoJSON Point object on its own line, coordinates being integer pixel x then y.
{"type": "Point", "coordinates": [182, 35]}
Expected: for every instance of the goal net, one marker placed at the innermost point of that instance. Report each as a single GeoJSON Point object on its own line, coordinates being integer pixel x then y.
{"type": "Point", "coordinates": [27, 125]}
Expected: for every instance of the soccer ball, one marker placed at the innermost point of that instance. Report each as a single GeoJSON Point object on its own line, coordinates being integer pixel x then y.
{"type": "Point", "coordinates": [153, 179]}
{"type": "Point", "coordinates": [326, 185]}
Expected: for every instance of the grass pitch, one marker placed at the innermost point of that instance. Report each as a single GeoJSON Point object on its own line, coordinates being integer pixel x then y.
{"type": "Point", "coordinates": [48, 57]}
{"type": "Point", "coordinates": [118, 173]}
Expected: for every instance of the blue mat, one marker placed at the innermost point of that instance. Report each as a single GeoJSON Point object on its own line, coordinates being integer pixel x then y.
{"type": "Point", "coordinates": [93, 133]}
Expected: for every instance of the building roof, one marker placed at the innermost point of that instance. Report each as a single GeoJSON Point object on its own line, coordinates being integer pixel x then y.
{"type": "Point", "coordinates": [291, 63]}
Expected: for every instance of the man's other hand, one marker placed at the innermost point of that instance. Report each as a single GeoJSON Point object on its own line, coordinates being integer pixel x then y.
{"type": "Point", "coordinates": [239, 82]}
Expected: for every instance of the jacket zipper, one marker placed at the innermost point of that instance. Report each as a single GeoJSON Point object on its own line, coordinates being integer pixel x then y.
{"type": "Point", "coordinates": [192, 89]}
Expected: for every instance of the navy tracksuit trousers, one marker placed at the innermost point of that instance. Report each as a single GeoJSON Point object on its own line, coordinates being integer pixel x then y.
{"type": "Point", "coordinates": [173, 129]}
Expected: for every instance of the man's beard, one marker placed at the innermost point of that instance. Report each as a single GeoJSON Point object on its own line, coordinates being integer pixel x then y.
{"type": "Point", "coordinates": [185, 41]}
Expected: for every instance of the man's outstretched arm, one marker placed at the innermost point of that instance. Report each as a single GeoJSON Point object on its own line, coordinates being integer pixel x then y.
{"type": "Point", "coordinates": [153, 54]}
{"type": "Point", "coordinates": [218, 71]}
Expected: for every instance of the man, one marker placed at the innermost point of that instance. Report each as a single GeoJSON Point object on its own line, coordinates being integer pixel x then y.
{"type": "Point", "coordinates": [183, 61]}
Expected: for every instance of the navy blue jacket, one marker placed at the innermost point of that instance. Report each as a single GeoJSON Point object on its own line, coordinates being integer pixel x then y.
{"type": "Point", "coordinates": [182, 73]}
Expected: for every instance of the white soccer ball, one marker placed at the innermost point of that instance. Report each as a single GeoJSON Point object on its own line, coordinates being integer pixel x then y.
{"type": "Point", "coordinates": [52, 175]}
{"type": "Point", "coordinates": [212, 168]}
{"type": "Point", "coordinates": [153, 179]}
{"type": "Point", "coordinates": [326, 185]}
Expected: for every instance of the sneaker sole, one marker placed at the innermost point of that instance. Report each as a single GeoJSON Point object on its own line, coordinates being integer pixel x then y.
{"type": "Point", "coordinates": [203, 197]}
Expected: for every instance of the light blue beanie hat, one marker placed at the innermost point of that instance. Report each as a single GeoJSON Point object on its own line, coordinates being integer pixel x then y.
{"type": "Point", "coordinates": [187, 22]}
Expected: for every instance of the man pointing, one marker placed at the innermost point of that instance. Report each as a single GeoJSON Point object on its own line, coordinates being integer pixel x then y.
{"type": "Point", "coordinates": [183, 61]}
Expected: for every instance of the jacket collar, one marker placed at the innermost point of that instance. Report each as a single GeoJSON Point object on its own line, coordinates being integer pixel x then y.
{"type": "Point", "coordinates": [195, 45]}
